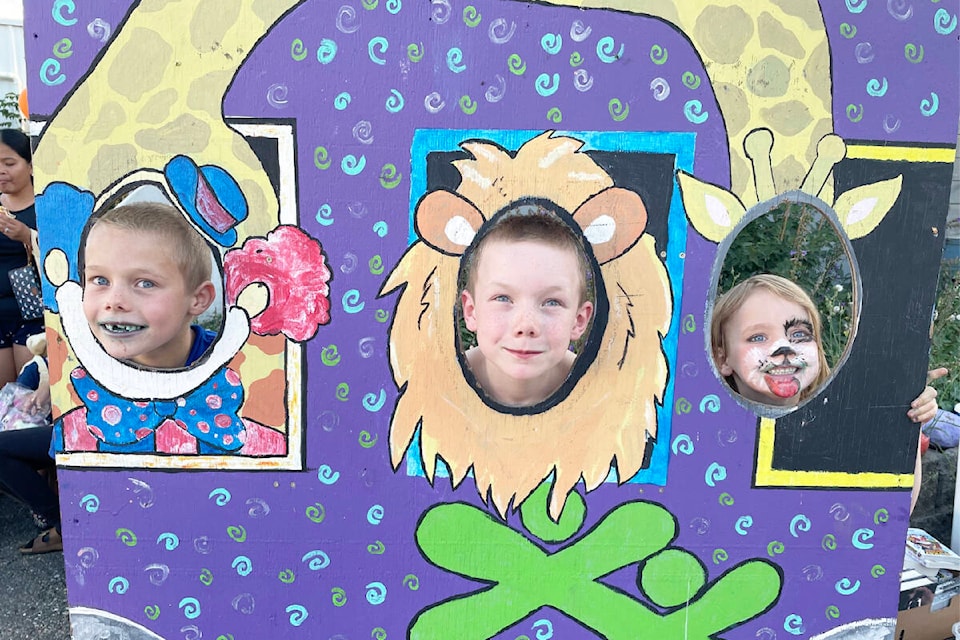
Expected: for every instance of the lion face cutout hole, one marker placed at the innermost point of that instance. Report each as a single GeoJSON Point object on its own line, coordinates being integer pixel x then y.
{"type": "Point", "coordinates": [529, 312]}
{"type": "Point", "coordinates": [784, 305]}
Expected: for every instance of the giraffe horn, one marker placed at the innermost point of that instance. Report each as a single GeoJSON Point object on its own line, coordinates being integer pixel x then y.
{"type": "Point", "coordinates": [830, 150]}
{"type": "Point", "coordinates": [757, 145]}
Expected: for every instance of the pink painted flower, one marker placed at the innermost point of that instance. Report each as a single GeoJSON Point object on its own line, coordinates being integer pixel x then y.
{"type": "Point", "coordinates": [291, 265]}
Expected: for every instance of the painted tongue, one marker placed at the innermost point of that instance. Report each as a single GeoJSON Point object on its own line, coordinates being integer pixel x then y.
{"type": "Point", "coordinates": [782, 386]}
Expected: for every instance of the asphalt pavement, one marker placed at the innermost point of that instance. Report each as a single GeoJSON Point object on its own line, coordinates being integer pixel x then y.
{"type": "Point", "coordinates": [33, 592]}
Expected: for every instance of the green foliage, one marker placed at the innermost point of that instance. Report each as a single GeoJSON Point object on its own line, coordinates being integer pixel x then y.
{"type": "Point", "coordinates": [796, 241]}
{"type": "Point", "coordinates": [945, 346]}
{"type": "Point", "coordinates": [212, 321]}
{"type": "Point", "coordinates": [10, 111]}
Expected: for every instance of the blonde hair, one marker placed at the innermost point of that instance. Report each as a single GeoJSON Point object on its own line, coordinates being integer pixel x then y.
{"type": "Point", "coordinates": [730, 302]}
{"type": "Point", "coordinates": [189, 249]}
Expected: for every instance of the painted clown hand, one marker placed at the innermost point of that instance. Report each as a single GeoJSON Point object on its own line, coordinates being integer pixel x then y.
{"type": "Point", "coordinates": [290, 265]}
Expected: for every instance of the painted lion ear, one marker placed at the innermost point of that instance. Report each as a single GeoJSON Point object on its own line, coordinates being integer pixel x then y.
{"type": "Point", "coordinates": [447, 222]}
{"type": "Point", "coordinates": [613, 221]}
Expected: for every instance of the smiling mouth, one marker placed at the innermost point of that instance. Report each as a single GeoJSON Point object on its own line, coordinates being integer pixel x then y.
{"type": "Point", "coordinates": [522, 353]}
{"type": "Point", "coordinates": [121, 328]}
{"type": "Point", "coordinates": [781, 371]}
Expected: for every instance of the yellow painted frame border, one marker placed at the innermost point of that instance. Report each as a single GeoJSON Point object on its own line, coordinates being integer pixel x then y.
{"type": "Point", "coordinates": [767, 476]}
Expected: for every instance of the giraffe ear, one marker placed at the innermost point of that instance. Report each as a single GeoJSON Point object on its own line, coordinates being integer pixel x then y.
{"type": "Point", "coordinates": [712, 211]}
{"type": "Point", "coordinates": [447, 222]}
{"type": "Point", "coordinates": [860, 210]}
{"type": "Point", "coordinates": [612, 220]}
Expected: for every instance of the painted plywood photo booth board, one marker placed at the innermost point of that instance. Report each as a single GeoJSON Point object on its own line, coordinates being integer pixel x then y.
{"type": "Point", "coordinates": [336, 467]}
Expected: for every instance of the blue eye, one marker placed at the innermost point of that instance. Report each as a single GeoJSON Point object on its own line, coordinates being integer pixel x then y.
{"type": "Point", "coordinates": [553, 302]}
{"type": "Point", "coordinates": [501, 298]}
{"type": "Point", "coordinates": [146, 284]}
{"type": "Point", "coordinates": [99, 281]}
{"type": "Point", "coordinates": [757, 338]}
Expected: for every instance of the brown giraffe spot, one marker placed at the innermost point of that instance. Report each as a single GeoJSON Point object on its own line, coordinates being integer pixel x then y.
{"type": "Point", "coordinates": [787, 118]}
{"type": "Point", "coordinates": [53, 155]}
{"type": "Point", "coordinates": [110, 161]}
{"type": "Point", "coordinates": [740, 174]}
{"type": "Point", "coordinates": [722, 33]}
{"type": "Point", "coordinates": [769, 78]}
{"type": "Point", "coordinates": [185, 134]}
{"type": "Point", "coordinates": [269, 10]}
{"type": "Point", "coordinates": [774, 35]}
{"type": "Point", "coordinates": [817, 73]}
{"type": "Point", "coordinates": [789, 173]}
{"type": "Point", "coordinates": [806, 10]}
{"type": "Point", "coordinates": [57, 352]}
{"type": "Point", "coordinates": [75, 114]}
{"type": "Point", "coordinates": [269, 345]}
{"type": "Point", "coordinates": [262, 400]}
{"type": "Point", "coordinates": [210, 22]}
{"type": "Point", "coordinates": [207, 91]}
{"type": "Point", "coordinates": [110, 117]}
{"type": "Point", "coordinates": [733, 104]}
{"type": "Point", "coordinates": [157, 107]}
{"type": "Point", "coordinates": [139, 66]}
{"type": "Point", "coordinates": [257, 201]}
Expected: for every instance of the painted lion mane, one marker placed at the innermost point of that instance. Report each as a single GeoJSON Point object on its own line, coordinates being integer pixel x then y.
{"type": "Point", "coordinates": [609, 417]}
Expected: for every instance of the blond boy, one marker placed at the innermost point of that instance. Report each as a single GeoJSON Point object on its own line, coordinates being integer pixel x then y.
{"type": "Point", "coordinates": [146, 277]}
{"type": "Point", "coordinates": [526, 301]}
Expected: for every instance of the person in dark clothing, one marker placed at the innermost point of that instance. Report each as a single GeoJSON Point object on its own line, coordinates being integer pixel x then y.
{"type": "Point", "coordinates": [17, 228]}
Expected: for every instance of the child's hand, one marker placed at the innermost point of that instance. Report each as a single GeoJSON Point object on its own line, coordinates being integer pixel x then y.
{"type": "Point", "coordinates": [924, 408]}
{"type": "Point", "coordinates": [39, 400]}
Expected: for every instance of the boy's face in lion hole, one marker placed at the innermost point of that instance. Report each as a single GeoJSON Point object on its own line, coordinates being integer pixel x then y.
{"type": "Point", "coordinates": [526, 306]}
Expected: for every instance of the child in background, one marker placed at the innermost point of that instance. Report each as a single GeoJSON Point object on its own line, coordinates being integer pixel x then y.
{"type": "Point", "coordinates": [526, 301]}
{"type": "Point", "coordinates": [23, 452]}
{"type": "Point", "coordinates": [766, 337]}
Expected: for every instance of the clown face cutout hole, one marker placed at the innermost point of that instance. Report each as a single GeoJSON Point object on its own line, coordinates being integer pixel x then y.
{"type": "Point", "coordinates": [527, 308]}
{"type": "Point", "coordinates": [784, 304]}
{"type": "Point", "coordinates": [148, 278]}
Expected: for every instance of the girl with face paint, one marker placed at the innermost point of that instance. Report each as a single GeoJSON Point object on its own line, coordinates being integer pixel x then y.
{"type": "Point", "coordinates": [766, 341]}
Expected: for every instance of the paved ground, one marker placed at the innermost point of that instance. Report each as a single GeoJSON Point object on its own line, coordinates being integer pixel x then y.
{"type": "Point", "coordinates": [33, 594]}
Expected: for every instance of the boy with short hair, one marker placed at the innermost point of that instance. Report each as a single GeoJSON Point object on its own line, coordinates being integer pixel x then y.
{"type": "Point", "coordinates": [526, 301]}
{"type": "Point", "coordinates": [146, 277]}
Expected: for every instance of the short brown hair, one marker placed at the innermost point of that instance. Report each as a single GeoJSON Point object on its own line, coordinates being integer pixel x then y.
{"type": "Point", "coordinates": [531, 222]}
{"type": "Point", "coordinates": [190, 250]}
{"type": "Point", "coordinates": [730, 302]}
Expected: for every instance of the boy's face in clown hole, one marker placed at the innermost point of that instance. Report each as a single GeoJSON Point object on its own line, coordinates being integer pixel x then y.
{"type": "Point", "coordinates": [770, 349]}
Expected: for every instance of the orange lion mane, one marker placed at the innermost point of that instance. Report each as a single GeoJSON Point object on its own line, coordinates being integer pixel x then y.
{"type": "Point", "coordinates": [609, 417]}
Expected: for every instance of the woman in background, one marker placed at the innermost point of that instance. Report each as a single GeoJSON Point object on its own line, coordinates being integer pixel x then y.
{"type": "Point", "coordinates": [16, 238]}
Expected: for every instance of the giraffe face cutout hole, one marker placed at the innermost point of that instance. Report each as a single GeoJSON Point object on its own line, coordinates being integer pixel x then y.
{"type": "Point", "coordinates": [784, 304]}
{"type": "Point", "coordinates": [528, 318]}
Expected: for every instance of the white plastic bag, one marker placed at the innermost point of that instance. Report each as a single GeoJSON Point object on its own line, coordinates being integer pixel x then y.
{"type": "Point", "coordinates": [17, 410]}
